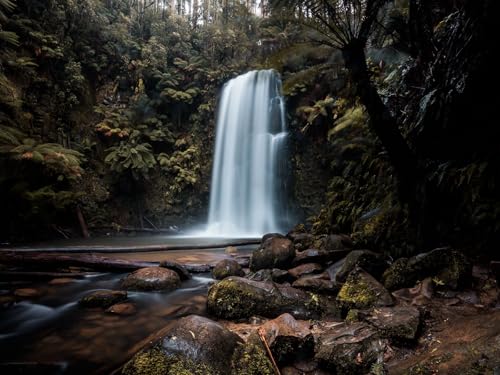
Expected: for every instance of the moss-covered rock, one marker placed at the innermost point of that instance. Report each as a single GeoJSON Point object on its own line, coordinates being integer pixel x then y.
{"type": "Point", "coordinates": [451, 267]}
{"type": "Point", "coordinates": [193, 345]}
{"type": "Point", "coordinates": [152, 278]}
{"type": "Point", "coordinates": [226, 268]}
{"type": "Point", "coordinates": [371, 262]}
{"type": "Point", "coordinates": [362, 291]}
{"type": "Point", "coordinates": [250, 358]}
{"type": "Point", "coordinates": [103, 298]}
{"type": "Point", "coordinates": [237, 298]}
{"type": "Point", "coordinates": [274, 252]}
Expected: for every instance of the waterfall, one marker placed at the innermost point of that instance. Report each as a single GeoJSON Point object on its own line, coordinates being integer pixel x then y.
{"type": "Point", "coordinates": [248, 195]}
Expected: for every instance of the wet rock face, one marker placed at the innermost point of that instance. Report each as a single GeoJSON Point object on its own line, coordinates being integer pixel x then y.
{"type": "Point", "coordinates": [349, 349]}
{"type": "Point", "coordinates": [274, 252]}
{"type": "Point", "coordinates": [238, 298]}
{"type": "Point", "coordinates": [226, 268]}
{"type": "Point", "coordinates": [198, 345]}
{"type": "Point", "coordinates": [103, 298]}
{"type": "Point", "coordinates": [305, 269]}
{"type": "Point", "coordinates": [122, 309]}
{"type": "Point", "coordinates": [152, 278]}
{"type": "Point", "coordinates": [288, 338]}
{"type": "Point", "coordinates": [398, 323]}
{"type": "Point", "coordinates": [451, 268]}
{"type": "Point", "coordinates": [370, 261]}
{"type": "Point", "coordinates": [362, 291]}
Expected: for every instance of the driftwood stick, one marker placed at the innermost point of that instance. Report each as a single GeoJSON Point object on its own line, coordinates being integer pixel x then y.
{"type": "Point", "coordinates": [264, 341]}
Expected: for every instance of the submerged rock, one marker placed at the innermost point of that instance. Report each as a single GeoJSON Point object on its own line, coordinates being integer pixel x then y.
{"type": "Point", "coordinates": [152, 278]}
{"type": "Point", "coordinates": [349, 349]}
{"type": "Point", "coordinates": [122, 309]}
{"type": "Point", "coordinates": [274, 252]}
{"type": "Point", "coordinates": [362, 291]}
{"type": "Point", "coordinates": [27, 293]}
{"type": "Point", "coordinates": [450, 267]}
{"type": "Point", "coordinates": [226, 268]}
{"type": "Point", "coordinates": [238, 298]}
{"type": "Point", "coordinates": [177, 267]}
{"type": "Point", "coordinates": [231, 250]}
{"type": "Point", "coordinates": [103, 298]}
{"type": "Point", "coordinates": [198, 345]}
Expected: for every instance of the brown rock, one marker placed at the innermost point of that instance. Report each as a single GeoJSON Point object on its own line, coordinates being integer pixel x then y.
{"type": "Point", "coordinates": [305, 269]}
{"type": "Point", "coordinates": [226, 268]}
{"type": "Point", "coordinates": [317, 283]}
{"type": "Point", "coordinates": [274, 252]}
{"type": "Point", "coordinates": [398, 323]}
{"type": "Point", "coordinates": [103, 298]}
{"type": "Point", "coordinates": [231, 250]}
{"type": "Point", "coordinates": [152, 278]}
{"type": "Point", "coordinates": [177, 267]}
{"type": "Point", "coordinates": [349, 349]}
{"type": "Point", "coordinates": [122, 309]}
{"type": "Point", "coordinates": [310, 256]}
{"type": "Point", "coordinates": [288, 337]}
{"type": "Point", "coordinates": [61, 281]}
{"type": "Point", "coordinates": [27, 293]}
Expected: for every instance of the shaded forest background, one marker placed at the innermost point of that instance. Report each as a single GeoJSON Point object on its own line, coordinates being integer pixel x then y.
{"type": "Point", "coordinates": [107, 113]}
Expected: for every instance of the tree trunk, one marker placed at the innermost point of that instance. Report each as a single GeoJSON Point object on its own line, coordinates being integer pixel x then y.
{"type": "Point", "coordinates": [381, 121]}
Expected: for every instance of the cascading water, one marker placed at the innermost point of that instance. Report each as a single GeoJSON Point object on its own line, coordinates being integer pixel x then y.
{"type": "Point", "coordinates": [248, 185]}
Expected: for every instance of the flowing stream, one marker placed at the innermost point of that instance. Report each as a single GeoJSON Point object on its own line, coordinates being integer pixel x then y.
{"type": "Point", "coordinates": [248, 179]}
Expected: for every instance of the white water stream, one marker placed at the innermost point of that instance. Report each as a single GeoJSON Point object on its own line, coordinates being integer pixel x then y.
{"type": "Point", "coordinates": [247, 192]}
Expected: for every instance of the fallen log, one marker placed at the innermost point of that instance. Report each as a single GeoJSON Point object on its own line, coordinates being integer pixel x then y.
{"type": "Point", "coordinates": [127, 249]}
{"type": "Point", "coordinates": [95, 262]}
{"type": "Point", "coordinates": [48, 260]}
{"type": "Point", "coordinates": [37, 275]}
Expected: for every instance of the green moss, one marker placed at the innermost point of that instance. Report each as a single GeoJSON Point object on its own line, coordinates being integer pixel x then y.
{"type": "Point", "coordinates": [352, 316]}
{"type": "Point", "coordinates": [396, 274]}
{"type": "Point", "coordinates": [251, 359]}
{"type": "Point", "coordinates": [356, 293]}
{"type": "Point", "coordinates": [150, 362]}
{"type": "Point", "coordinates": [155, 362]}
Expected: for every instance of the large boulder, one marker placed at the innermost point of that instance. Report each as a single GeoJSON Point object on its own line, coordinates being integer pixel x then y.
{"type": "Point", "coordinates": [197, 345]}
{"type": "Point", "coordinates": [152, 278]}
{"type": "Point", "coordinates": [226, 268]}
{"type": "Point", "coordinates": [274, 252]}
{"type": "Point", "coordinates": [450, 267]}
{"type": "Point", "coordinates": [239, 298]}
{"type": "Point", "coordinates": [103, 298]}
{"type": "Point", "coordinates": [371, 262]}
{"type": "Point", "coordinates": [349, 349]}
{"type": "Point", "coordinates": [362, 291]}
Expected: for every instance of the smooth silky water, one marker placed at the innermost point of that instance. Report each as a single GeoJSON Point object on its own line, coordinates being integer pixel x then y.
{"type": "Point", "coordinates": [248, 190]}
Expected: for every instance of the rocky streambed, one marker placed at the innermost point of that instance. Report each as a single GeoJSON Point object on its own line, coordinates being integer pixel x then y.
{"type": "Point", "coordinates": [296, 304]}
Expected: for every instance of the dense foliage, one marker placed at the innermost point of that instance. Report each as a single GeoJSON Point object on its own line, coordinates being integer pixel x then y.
{"type": "Point", "coordinates": [108, 108]}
